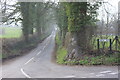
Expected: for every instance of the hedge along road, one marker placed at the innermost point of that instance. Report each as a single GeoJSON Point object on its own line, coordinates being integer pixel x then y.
{"type": "Point", "coordinates": [38, 64]}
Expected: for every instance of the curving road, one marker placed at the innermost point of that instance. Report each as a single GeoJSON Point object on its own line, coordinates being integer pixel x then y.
{"type": "Point", "coordinates": [38, 64]}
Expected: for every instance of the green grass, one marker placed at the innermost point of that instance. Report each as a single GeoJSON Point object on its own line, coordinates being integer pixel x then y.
{"type": "Point", "coordinates": [2, 55]}
{"type": "Point", "coordinates": [107, 44]}
{"type": "Point", "coordinates": [98, 60]}
{"type": "Point", "coordinates": [61, 53]}
{"type": "Point", "coordinates": [111, 59]}
{"type": "Point", "coordinates": [11, 32]}
{"type": "Point", "coordinates": [101, 60]}
{"type": "Point", "coordinates": [58, 41]}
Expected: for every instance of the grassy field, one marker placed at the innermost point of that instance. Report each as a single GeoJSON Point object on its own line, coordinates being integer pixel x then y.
{"type": "Point", "coordinates": [11, 32]}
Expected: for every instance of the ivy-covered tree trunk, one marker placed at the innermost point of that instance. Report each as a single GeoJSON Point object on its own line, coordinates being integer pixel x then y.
{"type": "Point", "coordinates": [82, 41]}
{"type": "Point", "coordinates": [81, 33]}
{"type": "Point", "coordinates": [77, 25]}
{"type": "Point", "coordinates": [81, 17]}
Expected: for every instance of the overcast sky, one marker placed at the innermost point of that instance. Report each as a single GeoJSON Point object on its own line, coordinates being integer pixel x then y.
{"type": "Point", "coordinates": [112, 7]}
{"type": "Point", "coordinates": [114, 3]}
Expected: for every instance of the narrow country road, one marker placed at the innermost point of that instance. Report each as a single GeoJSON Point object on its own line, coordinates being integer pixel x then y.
{"type": "Point", "coordinates": [38, 64]}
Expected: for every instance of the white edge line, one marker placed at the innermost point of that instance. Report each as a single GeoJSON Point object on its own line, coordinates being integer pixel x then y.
{"type": "Point", "coordinates": [38, 53]}
{"type": "Point", "coordinates": [29, 60]}
{"type": "Point", "coordinates": [83, 77]}
{"type": "Point", "coordinates": [99, 75]}
{"type": "Point", "coordinates": [113, 73]}
{"type": "Point", "coordinates": [92, 73]}
{"type": "Point", "coordinates": [25, 73]}
{"type": "Point", "coordinates": [69, 76]}
{"type": "Point", "coordinates": [105, 71]}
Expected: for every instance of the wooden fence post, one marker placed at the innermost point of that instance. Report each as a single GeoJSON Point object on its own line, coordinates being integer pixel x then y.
{"type": "Point", "coordinates": [110, 44]}
{"type": "Point", "coordinates": [116, 44]}
{"type": "Point", "coordinates": [98, 44]}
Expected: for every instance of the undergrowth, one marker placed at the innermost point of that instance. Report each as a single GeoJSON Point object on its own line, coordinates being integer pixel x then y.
{"type": "Point", "coordinates": [61, 53]}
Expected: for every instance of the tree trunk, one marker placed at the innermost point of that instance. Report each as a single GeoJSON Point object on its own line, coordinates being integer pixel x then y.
{"type": "Point", "coordinates": [81, 40]}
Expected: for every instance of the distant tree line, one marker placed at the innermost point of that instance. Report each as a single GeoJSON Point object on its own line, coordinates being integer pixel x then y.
{"type": "Point", "coordinates": [34, 17]}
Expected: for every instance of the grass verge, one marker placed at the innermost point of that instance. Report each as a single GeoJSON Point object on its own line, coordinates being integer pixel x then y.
{"type": "Point", "coordinates": [110, 60]}
{"type": "Point", "coordinates": [87, 59]}
{"type": "Point", "coordinates": [61, 53]}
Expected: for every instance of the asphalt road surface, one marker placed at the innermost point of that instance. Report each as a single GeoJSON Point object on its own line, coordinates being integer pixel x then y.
{"type": "Point", "coordinates": [38, 64]}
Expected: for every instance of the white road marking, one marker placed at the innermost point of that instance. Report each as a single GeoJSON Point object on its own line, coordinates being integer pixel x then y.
{"type": "Point", "coordinates": [70, 76]}
{"type": "Point", "coordinates": [100, 75]}
{"type": "Point", "coordinates": [92, 73]}
{"type": "Point", "coordinates": [105, 72]}
{"type": "Point", "coordinates": [54, 36]}
{"type": "Point", "coordinates": [44, 47]}
{"type": "Point", "coordinates": [52, 32]}
{"type": "Point", "coordinates": [56, 29]}
{"type": "Point", "coordinates": [29, 60]}
{"type": "Point", "coordinates": [83, 77]}
{"type": "Point", "coordinates": [50, 36]}
{"type": "Point", "coordinates": [38, 53]}
{"type": "Point", "coordinates": [113, 73]}
{"type": "Point", "coordinates": [25, 73]}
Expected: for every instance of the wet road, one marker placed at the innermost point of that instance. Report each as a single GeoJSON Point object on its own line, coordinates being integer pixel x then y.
{"type": "Point", "coordinates": [38, 64]}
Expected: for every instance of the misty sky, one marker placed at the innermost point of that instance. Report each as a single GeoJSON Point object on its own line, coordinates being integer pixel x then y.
{"type": "Point", "coordinates": [112, 7]}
